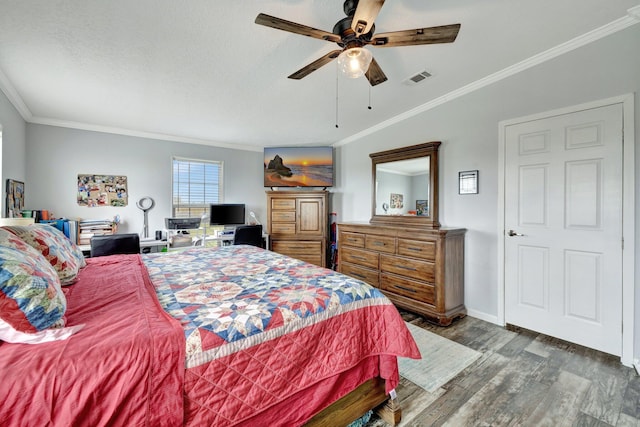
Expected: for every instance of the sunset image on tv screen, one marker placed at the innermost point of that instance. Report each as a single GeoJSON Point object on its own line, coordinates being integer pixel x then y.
{"type": "Point", "coordinates": [298, 166]}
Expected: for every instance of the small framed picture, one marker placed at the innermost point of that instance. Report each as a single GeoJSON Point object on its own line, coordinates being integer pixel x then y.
{"type": "Point", "coordinates": [422, 208]}
{"type": "Point", "coordinates": [396, 201]}
{"type": "Point", "coordinates": [468, 182]}
{"type": "Point", "coordinates": [15, 199]}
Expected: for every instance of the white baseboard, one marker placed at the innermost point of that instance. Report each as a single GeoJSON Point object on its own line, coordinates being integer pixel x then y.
{"type": "Point", "coordinates": [636, 365]}
{"type": "Point", "coordinates": [483, 316]}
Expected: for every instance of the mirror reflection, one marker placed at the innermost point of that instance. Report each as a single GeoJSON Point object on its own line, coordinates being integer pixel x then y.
{"type": "Point", "coordinates": [405, 186]}
{"type": "Point", "coordinates": [402, 187]}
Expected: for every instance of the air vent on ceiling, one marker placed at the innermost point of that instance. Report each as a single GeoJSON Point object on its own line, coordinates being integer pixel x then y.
{"type": "Point", "coordinates": [417, 78]}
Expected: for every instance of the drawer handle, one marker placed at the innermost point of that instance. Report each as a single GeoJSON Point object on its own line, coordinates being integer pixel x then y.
{"type": "Point", "coordinates": [406, 289]}
{"type": "Point", "coordinates": [378, 244]}
{"type": "Point", "coordinates": [414, 249]}
{"type": "Point", "coordinates": [359, 276]}
{"type": "Point", "coordinates": [361, 258]}
{"type": "Point", "coordinates": [406, 268]}
{"type": "Point", "coordinates": [352, 240]}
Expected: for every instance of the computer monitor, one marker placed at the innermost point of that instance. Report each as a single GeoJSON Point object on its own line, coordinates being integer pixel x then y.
{"type": "Point", "coordinates": [182, 223]}
{"type": "Point", "coordinates": [227, 214]}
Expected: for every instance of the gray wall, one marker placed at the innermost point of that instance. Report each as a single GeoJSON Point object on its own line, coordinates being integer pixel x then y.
{"type": "Point", "coordinates": [14, 162]}
{"type": "Point", "coordinates": [392, 183]}
{"type": "Point", "coordinates": [468, 129]}
{"type": "Point", "coordinates": [57, 155]}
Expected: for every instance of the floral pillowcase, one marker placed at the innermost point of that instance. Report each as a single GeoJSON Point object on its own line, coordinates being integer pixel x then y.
{"type": "Point", "coordinates": [65, 257]}
{"type": "Point", "coordinates": [31, 298]}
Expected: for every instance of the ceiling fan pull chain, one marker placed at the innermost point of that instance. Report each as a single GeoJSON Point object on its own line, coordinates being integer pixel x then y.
{"type": "Point", "coordinates": [369, 107]}
{"type": "Point", "coordinates": [337, 98]}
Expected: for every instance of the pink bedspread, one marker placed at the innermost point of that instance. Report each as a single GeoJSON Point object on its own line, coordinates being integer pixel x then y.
{"type": "Point", "coordinates": [320, 335]}
{"type": "Point", "coordinates": [261, 327]}
{"type": "Point", "coordinates": [125, 368]}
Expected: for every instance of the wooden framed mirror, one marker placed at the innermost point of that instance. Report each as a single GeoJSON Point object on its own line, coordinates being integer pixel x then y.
{"type": "Point", "coordinates": [405, 186]}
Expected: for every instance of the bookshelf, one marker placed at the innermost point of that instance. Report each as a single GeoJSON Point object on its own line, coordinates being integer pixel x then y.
{"type": "Point", "coordinates": [87, 228]}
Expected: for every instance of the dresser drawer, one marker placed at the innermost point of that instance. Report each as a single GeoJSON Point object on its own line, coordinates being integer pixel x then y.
{"type": "Point", "coordinates": [420, 291]}
{"type": "Point", "coordinates": [360, 257]}
{"type": "Point", "coordinates": [283, 228]}
{"type": "Point", "coordinates": [283, 204]}
{"type": "Point", "coordinates": [380, 243]}
{"type": "Point", "coordinates": [283, 216]}
{"type": "Point", "coordinates": [352, 239]}
{"type": "Point", "coordinates": [417, 249]}
{"type": "Point", "coordinates": [416, 269]}
{"type": "Point", "coordinates": [306, 251]}
{"type": "Point", "coordinates": [311, 259]}
{"type": "Point", "coordinates": [296, 247]}
{"type": "Point", "coordinates": [362, 273]}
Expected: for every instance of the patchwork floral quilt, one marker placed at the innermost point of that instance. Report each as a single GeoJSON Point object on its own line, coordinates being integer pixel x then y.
{"type": "Point", "coordinates": [260, 326]}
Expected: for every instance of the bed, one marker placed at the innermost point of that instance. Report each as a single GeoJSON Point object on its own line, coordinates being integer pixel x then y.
{"type": "Point", "coordinates": [235, 335]}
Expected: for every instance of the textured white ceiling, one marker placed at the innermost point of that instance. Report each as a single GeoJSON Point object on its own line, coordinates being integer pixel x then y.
{"type": "Point", "coordinates": [203, 71]}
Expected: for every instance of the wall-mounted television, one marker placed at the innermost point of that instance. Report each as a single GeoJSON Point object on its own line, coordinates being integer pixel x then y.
{"type": "Point", "coordinates": [298, 166]}
{"type": "Point", "coordinates": [227, 214]}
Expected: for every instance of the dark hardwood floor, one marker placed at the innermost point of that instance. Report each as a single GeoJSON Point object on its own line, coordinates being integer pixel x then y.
{"type": "Point", "coordinates": [523, 379]}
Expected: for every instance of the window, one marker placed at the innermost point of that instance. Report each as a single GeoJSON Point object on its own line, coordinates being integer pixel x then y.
{"type": "Point", "coordinates": [196, 185]}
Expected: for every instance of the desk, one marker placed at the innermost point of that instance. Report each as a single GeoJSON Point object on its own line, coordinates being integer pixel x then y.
{"type": "Point", "coordinates": [144, 243]}
{"type": "Point", "coordinates": [152, 243]}
{"type": "Point", "coordinates": [226, 240]}
{"type": "Point", "coordinates": [161, 244]}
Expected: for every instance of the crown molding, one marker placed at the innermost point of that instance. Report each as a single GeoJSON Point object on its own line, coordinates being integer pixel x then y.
{"type": "Point", "coordinates": [139, 134]}
{"type": "Point", "coordinates": [13, 96]}
{"type": "Point", "coordinates": [632, 18]}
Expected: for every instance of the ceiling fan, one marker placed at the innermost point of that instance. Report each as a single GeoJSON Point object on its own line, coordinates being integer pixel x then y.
{"type": "Point", "coordinates": [356, 31]}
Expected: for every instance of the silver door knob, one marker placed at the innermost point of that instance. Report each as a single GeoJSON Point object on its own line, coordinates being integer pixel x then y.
{"type": "Point", "coordinates": [513, 233]}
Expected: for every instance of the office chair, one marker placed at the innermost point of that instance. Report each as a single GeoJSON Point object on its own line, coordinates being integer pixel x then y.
{"type": "Point", "coordinates": [127, 243]}
{"type": "Point", "coordinates": [248, 235]}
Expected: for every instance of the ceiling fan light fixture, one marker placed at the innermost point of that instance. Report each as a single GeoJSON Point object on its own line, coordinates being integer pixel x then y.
{"type": "Point", "coordinates": [354, 62]}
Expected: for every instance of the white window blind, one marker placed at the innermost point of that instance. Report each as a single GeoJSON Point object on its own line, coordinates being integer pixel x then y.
{"type": "Point", "coordinates": [196, 185]}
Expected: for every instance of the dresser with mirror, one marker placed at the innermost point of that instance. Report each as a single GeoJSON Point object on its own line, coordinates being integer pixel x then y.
{"type": "Point", "coordinates": [403, 250]}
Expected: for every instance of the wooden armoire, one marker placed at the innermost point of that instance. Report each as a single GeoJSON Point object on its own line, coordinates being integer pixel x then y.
{"type": "Point", "coordinates": [297, 223]}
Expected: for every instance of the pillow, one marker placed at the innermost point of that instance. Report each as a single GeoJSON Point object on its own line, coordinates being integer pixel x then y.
{"type": "Point", "coordinates": [31, 298]}
{"type": "Point", "coordinates": [9, 334]}
{"type": "Point", "coordinates": [64, 256]}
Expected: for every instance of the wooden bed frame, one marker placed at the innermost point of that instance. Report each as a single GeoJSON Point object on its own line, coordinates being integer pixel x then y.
{"type": "Point", "coordinates": [369, 395]}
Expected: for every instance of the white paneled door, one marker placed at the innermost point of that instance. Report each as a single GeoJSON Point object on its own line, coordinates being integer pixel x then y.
{"type": "Point", "coordinates": [563, 227]}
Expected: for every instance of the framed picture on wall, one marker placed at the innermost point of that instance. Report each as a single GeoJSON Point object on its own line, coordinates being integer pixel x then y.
{"type": "Point", "coordinates": [422, 208]}
{"type": "Point", "coordinates": [102, 190]}
{"type": "Point", "coordinates": [15, 199]}
{"type": "Point", "coordinates": [468, 181]}
{"type": "Point", "coordinates": [396, 201]}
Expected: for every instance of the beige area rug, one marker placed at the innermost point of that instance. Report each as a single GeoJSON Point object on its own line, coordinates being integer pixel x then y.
{"type": "Point", "coordinates": [442, 360]}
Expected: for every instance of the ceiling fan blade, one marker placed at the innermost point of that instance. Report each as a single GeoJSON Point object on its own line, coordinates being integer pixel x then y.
{"type": "Point", "coordinates": [374, 74]}
{"type": "Point", "coordinates": [308, 69]}
{"type": "Point", "coordinates": [365, 15]}
{"type": "Point", "coordinates": [294, 27]}
{"type": "Point", "coordinates": [431, 35]}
